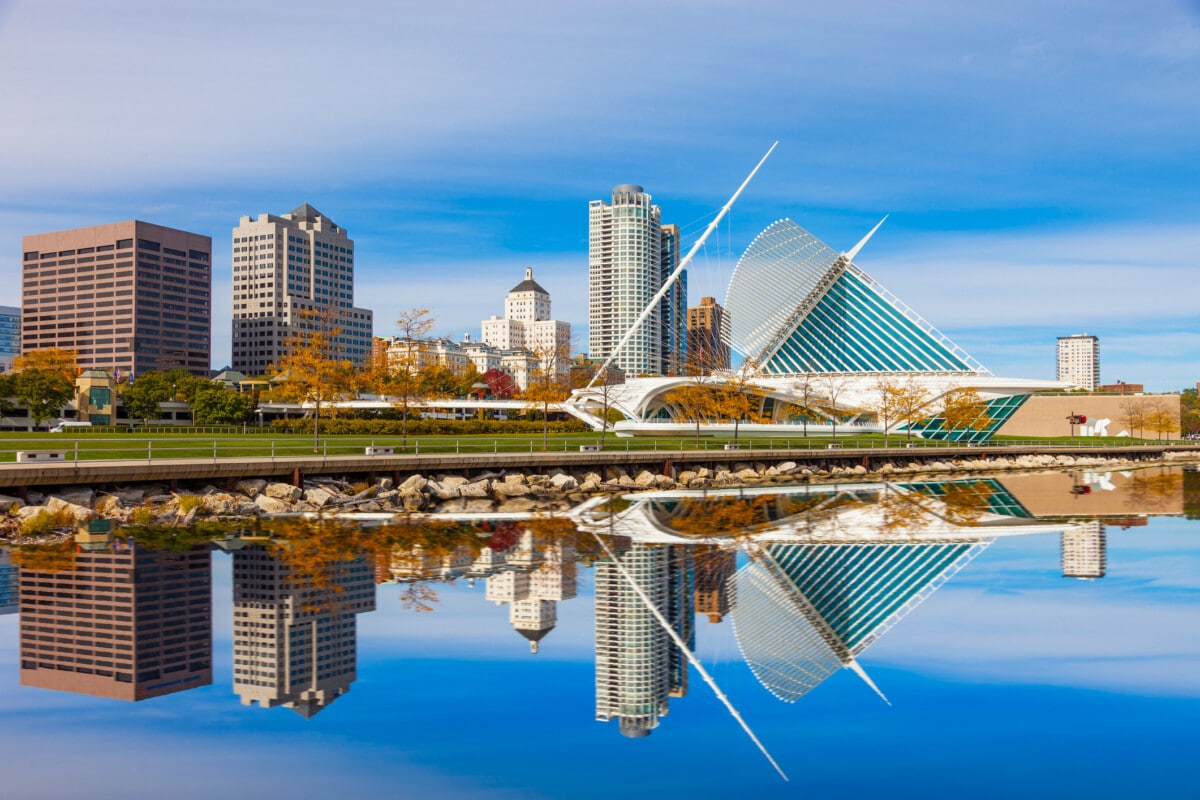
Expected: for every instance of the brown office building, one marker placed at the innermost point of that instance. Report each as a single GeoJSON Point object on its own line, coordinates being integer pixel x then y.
{"type": "Point", "coordinates": [707, 348]}
{"type": "Point", "coordinates": [129, 296]}
{"type": "Point", "coordinates": [125, 623]}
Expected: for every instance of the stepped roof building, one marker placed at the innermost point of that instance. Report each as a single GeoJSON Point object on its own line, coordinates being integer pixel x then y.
{"type": "Point", "coordinates": [810, 323]}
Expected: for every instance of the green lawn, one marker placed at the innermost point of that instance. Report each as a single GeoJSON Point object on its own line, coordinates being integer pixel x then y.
{"type": "Point", "coordinates": [139, 446]}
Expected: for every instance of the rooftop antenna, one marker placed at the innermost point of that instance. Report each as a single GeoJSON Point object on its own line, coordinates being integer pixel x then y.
{"type": "Point", "coordinates": [653, 304]}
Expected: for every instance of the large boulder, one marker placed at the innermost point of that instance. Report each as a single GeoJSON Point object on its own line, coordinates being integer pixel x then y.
{"type": "Point", "coordinates": [476, 489]}
{"type": "Point", "coordinates": [644, 478]}
{"type": "Point", "coordinates": [9, 504]}
{"type": "Point", "coordinates": [284, 491]}
{"type": "Point", "coordinates": [563, 482]}
{"type": "Point", "coordinates": [442, 491]}
{"type": "Point", "coordinates": [272, 505]}
{"type": "Point", "coordinates": [78, 513]}
{"type": "Point", "coordinates": [223, 504]}
{"type": "Point", "coordinates": [318, 496]}
{"type": "Point", "coordinates": [414, 483]}
{"type": "Point", "coordinates": [507, 489]}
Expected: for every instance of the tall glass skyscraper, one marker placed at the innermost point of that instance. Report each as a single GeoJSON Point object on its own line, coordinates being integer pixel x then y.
{"type": "Point", "coordinates": [630, 254]}
{"type": "Point", "coordinates": [10, 336]}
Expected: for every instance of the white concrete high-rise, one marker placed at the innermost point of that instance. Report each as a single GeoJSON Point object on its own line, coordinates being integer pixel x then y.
{"type": "Point", "coordinates": [1079, 360]}
{"type": "Point", "coordinates": [287, 268]}
{"type": "Point", "coordinates": [627, 247]}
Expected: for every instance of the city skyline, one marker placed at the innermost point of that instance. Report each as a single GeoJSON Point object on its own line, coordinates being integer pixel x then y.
{"type": "Point", "coordinates": [1036, 157]}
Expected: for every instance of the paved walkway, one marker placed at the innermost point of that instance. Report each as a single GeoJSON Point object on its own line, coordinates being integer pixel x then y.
{"type": "Point", "coordinates": [103, 473]}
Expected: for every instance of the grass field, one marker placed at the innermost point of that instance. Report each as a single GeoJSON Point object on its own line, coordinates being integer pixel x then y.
{"type": "Point", "coordinates": [144, 446]}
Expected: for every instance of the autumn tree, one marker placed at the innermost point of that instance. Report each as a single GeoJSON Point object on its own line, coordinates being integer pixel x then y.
{"type": "Point", "coordinates": [50, 360]}
{"type": "Point", "coordinates": [832, 388]}
{"type": "Point", "coordinates": [401, 380]}
{"type": "Point", "coordinates": [45, 381]}
{"type": "Point", "coordinates": [693, 401]}
{"type": "Point", "coordinates": [8, 393]}
{"type": "Point", "coordinates": [887, 404]}
{"type": "Point", "coordinates": [1159, 418]}
{"type": "Point", "coordinates": [963, 409]}
{"type": "Point", "coordinates": [1133, 415]}
{"type": "Point", "coordinates": [808, 400]}
{"type": "Point", "coordinates": [313, 370]}
{"type": "Point", "coordinates": [547, 385]}
{"type": "Point", "coordinates": [738, 400]}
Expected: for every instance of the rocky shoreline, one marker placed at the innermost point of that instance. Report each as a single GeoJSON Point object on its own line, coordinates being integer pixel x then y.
{"type": "Point", "coordinates": [504, 491]}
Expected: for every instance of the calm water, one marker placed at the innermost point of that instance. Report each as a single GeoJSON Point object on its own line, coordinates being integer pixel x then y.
{"type": "Point", "coordinates": [1033, 636]}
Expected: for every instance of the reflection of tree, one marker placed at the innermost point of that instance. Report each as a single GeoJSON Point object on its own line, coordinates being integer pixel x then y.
{"type": "Point", "coordinates": [736, 516]}
{"type": "Point", "coordinates": [53, 557]}
{"type": "Point", "coordinates": [1154, 490]}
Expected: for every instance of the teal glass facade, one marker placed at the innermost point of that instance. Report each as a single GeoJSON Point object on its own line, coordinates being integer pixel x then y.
{"type": "Point", "coordinates": [994, 414]}
{"type": "Point", "coordinates": [854, 329]}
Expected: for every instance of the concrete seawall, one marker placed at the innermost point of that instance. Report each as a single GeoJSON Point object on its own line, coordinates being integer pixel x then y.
{"type": "Point", "coordinates": [294, 469]}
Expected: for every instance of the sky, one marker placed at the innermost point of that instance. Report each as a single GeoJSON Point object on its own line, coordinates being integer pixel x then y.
{"type": "Point", "coordinates": [1038, 161]}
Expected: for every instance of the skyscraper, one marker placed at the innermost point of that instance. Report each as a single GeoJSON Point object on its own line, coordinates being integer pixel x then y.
{"type": "Point", "coordinates": [707, 347]}
{"type": "Point", "coordinates": [127, 296]}
{"type": "Point", "coordinates": [289, 272]}
{"type": "Point", "coordinates": [626, 254]}
{"type": "Point", "coordinates": [295, 643]}
{"type": "Point", "coordinates": [126, 623]}
{"type": "Point", "coordinates": [10, 336]}
{"type": "Point", "coordinates": [673, 306]}
{"type": "Point", "coordinates": [1079, 360]}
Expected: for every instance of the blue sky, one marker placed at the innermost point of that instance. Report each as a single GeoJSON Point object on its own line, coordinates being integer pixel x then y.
{"type": "Point", "coordinates": [1039, 161]}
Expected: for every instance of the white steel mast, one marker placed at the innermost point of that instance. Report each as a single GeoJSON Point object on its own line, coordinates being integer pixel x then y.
{"type": "Point", "coordinates": [712, 226]}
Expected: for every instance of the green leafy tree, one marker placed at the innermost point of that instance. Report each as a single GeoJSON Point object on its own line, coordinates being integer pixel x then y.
{"type": "Point", "coordinates": [143, 398]}
{"type": "Point", "coordinates": [220, 406]}
{"type": "Point", "coordinates": [43, 393]}
{"type": "Point", "coordinates": [8, 393]}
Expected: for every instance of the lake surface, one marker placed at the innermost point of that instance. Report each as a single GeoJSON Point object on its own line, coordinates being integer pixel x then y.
{"type": "Point", "coordinates": [1031, 636]}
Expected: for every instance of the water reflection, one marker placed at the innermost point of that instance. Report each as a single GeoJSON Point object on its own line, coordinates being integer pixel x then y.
{"type": "Point", "coordinates": [294, 634]}
{"type": "Point", "coordinates": [825, 573]}
{"type": "Point", "coordinates": [122, 622]}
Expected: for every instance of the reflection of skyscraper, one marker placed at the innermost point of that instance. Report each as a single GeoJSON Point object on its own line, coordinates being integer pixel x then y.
{"type": "Point", "coordinates": [8, 585]}
{"type": "Point", "coordinates": [714, 568]}
{"type": "Point", "coordinates": [126, 623]}
{"type": "Point", "coordinates": [681, 593]}
{"type": "Point", "coordinates": [295, 643]}
{"type": "Point", "coordinates": [637, 666]}
{"type": "Point", "coordinates": [1084, 552]}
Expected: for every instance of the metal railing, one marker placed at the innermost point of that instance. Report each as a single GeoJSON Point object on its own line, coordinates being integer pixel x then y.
{"type": "Point", "coordinates": [159, 448]}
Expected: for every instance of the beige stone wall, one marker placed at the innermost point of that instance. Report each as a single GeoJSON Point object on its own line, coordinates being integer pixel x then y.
{"type": "Point", "coordinates": [1047, 415]}
{"type": "Point", "coordinates": [1099, 493]}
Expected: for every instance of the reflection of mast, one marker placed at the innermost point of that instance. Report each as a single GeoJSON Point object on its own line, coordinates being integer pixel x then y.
{"type": "Point", "coordinates": [801, 612]}
{"type": "Point", "coordinates": [1084, 551]}
{"type": "Point", "coordinates": [691, 656]}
